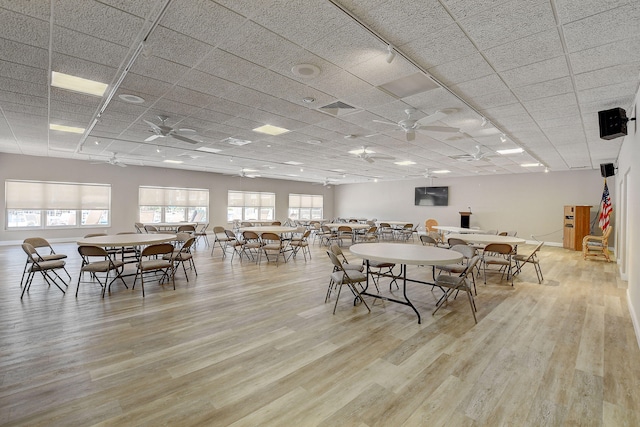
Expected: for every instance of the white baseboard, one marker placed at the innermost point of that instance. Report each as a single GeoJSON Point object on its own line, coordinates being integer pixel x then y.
{"type": "Point", "coordinates": [58, 240]}
{"type": "Point", "coordinates": [634, 318]}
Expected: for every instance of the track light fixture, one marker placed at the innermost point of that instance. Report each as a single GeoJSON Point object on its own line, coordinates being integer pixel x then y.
{"type": "Point", "coordinates": [391, 54]}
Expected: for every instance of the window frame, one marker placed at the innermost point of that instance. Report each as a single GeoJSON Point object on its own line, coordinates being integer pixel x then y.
{"type": "Point", "coordinates": [263, 203]}
{"type": "Point", "coordinates": [165, 201]}
{"type": "Point", "coordinates": [307, 203]}
{"type": "Point", "coordinates": [41, 201]}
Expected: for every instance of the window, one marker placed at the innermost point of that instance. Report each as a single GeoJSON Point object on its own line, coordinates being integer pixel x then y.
{"type": "Point", "coordinates": [40, 204]}
{"type": "Point", "coordinates": [166, 204]}
{"type": "Point", "coordinates": [250, 206]}
{"type": "Point", "coordinates": [305, 206]}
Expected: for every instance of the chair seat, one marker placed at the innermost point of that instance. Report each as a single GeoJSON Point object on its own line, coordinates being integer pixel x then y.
{"type": "Point", "coordinates": [496, 260]}
{"type": "Point", "coordinates": [450, 281]}
{"type": "Point", "coordinates": [102, 266]}
{"type": "Point", "coordinates": [379, 264]}
{"type": "Point", "coordinates": [52, 257]}
{"type": "Point", "coordinates": [353, 267]}
{"type": "Point", "coordinates": [452, 268]}
{"type": "Point", "coordinates": [354, 276]}
{"type": "Point", "coordinates": [154, 264]}
{"type": "Point", "coordinates": [47, 265]}
{"type": "Point", "coordinates": [272, 247]}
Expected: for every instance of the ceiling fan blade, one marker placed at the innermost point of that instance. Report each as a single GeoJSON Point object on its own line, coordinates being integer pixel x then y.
{"type": "Point", "coordinates": [184, 139]}
{"type": "Point", "coordinates": [438, 115]}
{"type": "Point", "coordinates": [439, 129]}
{"type": "Point", "coordinates": [153, 126]}
{"type": "Point", "coordinates": [368, 159]}
{"type": "Point", "coordinates": [385, 123]}
{"type": "Point", "coordinates": [411, 135]}
{"type": "Point", "coordinates": [152, 137]}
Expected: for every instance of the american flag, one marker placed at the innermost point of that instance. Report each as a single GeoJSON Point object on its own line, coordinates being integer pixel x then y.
{"type": "Point", "coordinates": [605, 208]}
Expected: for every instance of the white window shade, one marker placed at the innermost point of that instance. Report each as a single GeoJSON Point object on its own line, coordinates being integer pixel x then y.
{"type": "Point", "coordinates": [157, 196]}
{"type": "Point", "coordinates": [38, 195]}
{"type": "Point", "coordinates": [305, 201]}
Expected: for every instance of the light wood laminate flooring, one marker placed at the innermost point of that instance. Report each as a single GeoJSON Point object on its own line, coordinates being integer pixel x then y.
{"type": "Point", "coordinates": [247, 345]}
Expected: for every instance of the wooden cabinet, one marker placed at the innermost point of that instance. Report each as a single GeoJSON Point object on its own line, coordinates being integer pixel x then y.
{"type": "Point", "coordinates": [576, 226]}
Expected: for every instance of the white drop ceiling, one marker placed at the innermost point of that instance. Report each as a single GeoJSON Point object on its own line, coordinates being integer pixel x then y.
{"type": "Point", "coordinates": [538, 70]}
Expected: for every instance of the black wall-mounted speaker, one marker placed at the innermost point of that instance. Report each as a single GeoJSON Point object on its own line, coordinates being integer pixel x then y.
{"type": "Point", "coordinates": [613, 123]}
{"type": "Point", "coordinates": [607, 169]}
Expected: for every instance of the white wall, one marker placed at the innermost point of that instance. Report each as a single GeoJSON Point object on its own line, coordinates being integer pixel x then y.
{"type": "Point", "coordinates": [530, 203]}
{"type": "Point", "coordinates": [124, 190]}
{"type": "Point", "coordinates": [627, 216]}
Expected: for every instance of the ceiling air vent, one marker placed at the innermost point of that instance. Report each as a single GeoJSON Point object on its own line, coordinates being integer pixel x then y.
{"type": "Point", "coordinates": [338, 109]}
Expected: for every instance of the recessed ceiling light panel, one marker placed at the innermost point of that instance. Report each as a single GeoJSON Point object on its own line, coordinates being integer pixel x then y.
{"type": "Point", "coordinates": [405, 163]}
{"type": "Point", "coordinates": [63, 128]}
{"type": "Point", "coordinates": [236, 141]}
{"type": "Point", "coordinates": [271, 130]}
{"type": "Point", "coordinates": [77, 84]}
{"type": "Point", "coordinates": [510, 151]}
{"type": "Point", "coordinates": [208, 150]}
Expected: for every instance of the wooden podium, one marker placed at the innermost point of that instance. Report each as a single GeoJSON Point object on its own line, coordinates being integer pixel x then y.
{"type": "Point", "coordinates": [576, 226]}
{"type": "Point", "coordinates": [464, 219]}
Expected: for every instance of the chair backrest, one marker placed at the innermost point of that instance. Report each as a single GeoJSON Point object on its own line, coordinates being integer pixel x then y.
{"type": "Point", "coordinates": [186, 246]}
{"type": "Point", "coordinates": [337, 264]}
{"type": "Point", "coordinates": [250, 235]}
{"type": "Point", "coordinates": [429, 223]}
{"type": "Point", "coordinates": [534, 252]}
{"type": "Point", "coordinates": [271, 237]}
{"type": "Point", "coordinates": [218, 229]}
{"type": "Point", "coordinates": [37, 242]}
{"type": "Point", "coordinates": [470, 266]}
{"type": "Point", "coordinates": [246, 224]}
{"type": "Point", "coordinates": [229, 233]}
{"type": "Point", "coordinates": [139, 227]}
{"type": "Point", "coordinates": [606, 234]}
{"type": "Point", "coordinates": [186, 229]}
{"type": "Point", "coordinates": [204, 227]}
{"type": "Point", "coordinates": [157, 249]}
{"type": "Point", "coordinates": [91, 251]}
{"type": "Point", "coordinates": [182, 237]}
{"type": "Point", "coordinates": [499, 248]}
{"type": "Point", "coordinates": [453, 241]}
{"type": "Point", "coordinates": [276, 223]}
{"type": "Point", "coordinates": [385, 225]}
{"type": "Point", "coordinates": [427, 240]}
{"type": "Point", "coordinates": [151, 228]}
{"type": "Point", "coordinates": [345, 229]}
{"type": "Point", "coordinates": [502, 233]}
{"type": "Point", "coordinates": [372, 230]}
{"type": "Point", "coordinates": [467, 251]}
{"type": "Point", "coordinates": [30, 251]}
{"type": "Point", "coordinates": [408, 226]}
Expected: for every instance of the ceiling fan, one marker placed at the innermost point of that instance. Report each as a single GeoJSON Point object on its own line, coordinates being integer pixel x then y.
{"type": "Point", "coordinates": [369, 155]}
{"type": "Point", "coordinates": [410, 125]}
{"type": "Point", "coordinates": [113, 160]}
{"type": "Point", "coordinates": [475, 156]}
{"type": "Point", "coordinates": [162, 130]}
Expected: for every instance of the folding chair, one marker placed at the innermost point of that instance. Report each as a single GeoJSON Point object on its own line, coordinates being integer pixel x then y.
{"type": "Point", "coordinates": [340, 276]}
{"type": "Point", "coordinates": [149, 261]}
{"type": "Point", "coordinates": [532, 258]}
{"type": "Point", "coordinates": [181, 255]}
{"type": "Point", "coordinates": [38, 264]}
{"type": "Point", "coordinates": [104, 264]}
{"type": "Point", "coordinates": [458, 283]}
{"type": "Point", "coordinates": [46, 254]}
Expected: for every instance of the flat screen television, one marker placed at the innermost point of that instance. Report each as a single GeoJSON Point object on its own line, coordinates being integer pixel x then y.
{"type": "Point", "coordinates": [432, 196]}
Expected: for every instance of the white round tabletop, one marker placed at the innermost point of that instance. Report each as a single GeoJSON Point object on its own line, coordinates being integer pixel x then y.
{"type": "Point", "coordinates": [118, 240]}
{"type": "Point", "coordinates": [353, 225]}
{"type": "Point", "coordinates": [487, 238]}
{"type": "Point", "coordinates": [452, 229]}
{"type": "Point", "coordinates": [277, 229]}
{"type": "Point", "coordinates": [402, 253]}
{"type": "Point", "coordinates": [395, 222]}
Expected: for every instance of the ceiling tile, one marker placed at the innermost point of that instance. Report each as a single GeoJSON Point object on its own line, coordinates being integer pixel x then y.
{"type": "Point", "coordinates": [527, 50]}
